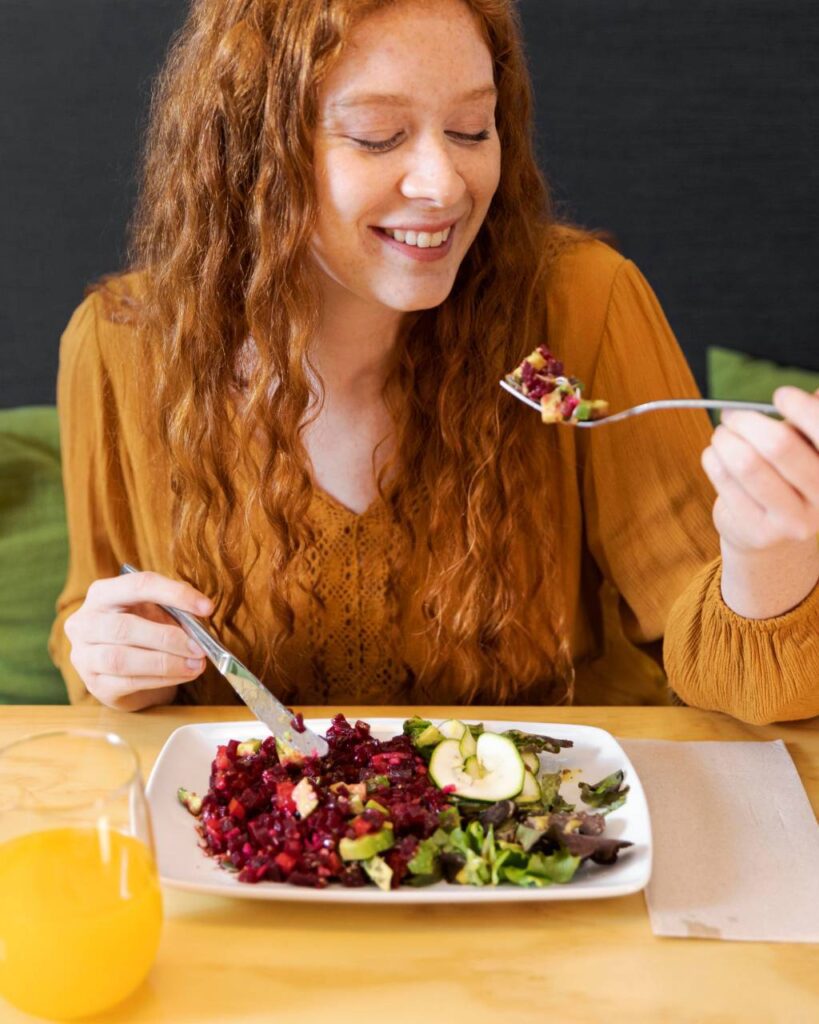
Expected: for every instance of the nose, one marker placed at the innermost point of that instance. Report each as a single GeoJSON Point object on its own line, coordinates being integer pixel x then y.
{"type": "Point", "coordinates": [431, 173]}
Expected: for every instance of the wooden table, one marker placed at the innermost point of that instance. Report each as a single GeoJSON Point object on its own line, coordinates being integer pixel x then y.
{"type": "Point", "coordinates": [248, 961]}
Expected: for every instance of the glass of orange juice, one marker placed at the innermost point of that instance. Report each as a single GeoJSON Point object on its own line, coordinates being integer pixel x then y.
{"type": "Point", "coordinates": [80, 903]}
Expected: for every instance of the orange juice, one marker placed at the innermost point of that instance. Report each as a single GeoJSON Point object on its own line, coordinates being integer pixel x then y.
{"type": "Point", "coordinates": [80, 918]}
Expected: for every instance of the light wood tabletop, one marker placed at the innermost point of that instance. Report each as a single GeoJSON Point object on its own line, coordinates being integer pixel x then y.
{"type": "Point", "coordinates": [252, 961]}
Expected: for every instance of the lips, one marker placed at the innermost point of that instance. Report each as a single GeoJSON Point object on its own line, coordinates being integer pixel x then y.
{"type": "Point", "coordinates": [423, 253]}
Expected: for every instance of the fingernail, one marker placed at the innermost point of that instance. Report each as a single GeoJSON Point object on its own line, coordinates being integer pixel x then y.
{"type": "Point", "coordinates": [194, 647]}
{"type": "Point", "coordinates": [193, 662]}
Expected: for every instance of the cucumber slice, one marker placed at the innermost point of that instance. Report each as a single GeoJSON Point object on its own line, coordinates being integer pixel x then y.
{"type": "Point", "coordinates": [530, 791]}
{"type": "Point", "coordinates": [468, 745]}
{"type": "Point", "coordinates": [452, 729]}
{"type": "Point", "coordinates": [471, 767]}
{"type": "Point", "coordinates": [500, 764]}
{"type": "Point", "coordinates": [532, 761]}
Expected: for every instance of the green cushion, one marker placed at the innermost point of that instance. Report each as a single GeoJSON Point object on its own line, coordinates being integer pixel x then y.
{"type": "Point", "coordinates": [735, 375]}
{"type": "Point", "coordinates": [33, 553]}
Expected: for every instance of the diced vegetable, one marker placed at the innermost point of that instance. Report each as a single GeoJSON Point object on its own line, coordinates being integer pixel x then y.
{"type": "Point", "coordinates": [530, 791]}
{"type": "Point", "coordinates": [189, 800]}
{"type": "Point", "coordinates": [366, 846]}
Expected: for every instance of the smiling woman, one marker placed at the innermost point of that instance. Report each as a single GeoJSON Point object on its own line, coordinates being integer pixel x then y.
{"type": "Point", "coordinates": [288, 407]}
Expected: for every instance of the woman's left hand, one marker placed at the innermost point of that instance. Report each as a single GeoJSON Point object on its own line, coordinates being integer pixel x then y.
{"type": "Point", "coordinates": [766, 474]}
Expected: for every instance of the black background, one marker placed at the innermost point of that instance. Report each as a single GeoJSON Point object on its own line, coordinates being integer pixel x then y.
{"type": "Point", "coordinates": [688, 128]}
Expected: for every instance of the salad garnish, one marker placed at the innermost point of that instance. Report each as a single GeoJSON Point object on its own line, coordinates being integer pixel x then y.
{"type": "Point", "coordinates": [453, 801]}
{"type": "Point", "coordinates": [541, 376]}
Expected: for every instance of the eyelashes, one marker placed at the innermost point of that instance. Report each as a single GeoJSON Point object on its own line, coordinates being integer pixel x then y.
{"type": "Point", "coordinates": [388, 144]}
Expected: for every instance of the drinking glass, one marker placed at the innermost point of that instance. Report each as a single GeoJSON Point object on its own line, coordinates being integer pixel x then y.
{"type": "Point", "coordinates": [80, 903]}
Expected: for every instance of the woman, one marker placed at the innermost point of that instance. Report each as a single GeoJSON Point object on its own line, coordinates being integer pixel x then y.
{"type": "Point", "coordinates": [289, 411]}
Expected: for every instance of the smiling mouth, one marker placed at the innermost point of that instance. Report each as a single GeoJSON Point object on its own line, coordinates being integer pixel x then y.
{"type": "Point", "coordinates": [419, 239]}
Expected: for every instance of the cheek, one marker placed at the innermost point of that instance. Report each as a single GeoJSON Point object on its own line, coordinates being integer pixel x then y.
{"type": "Point", "coordinates": [348, 189]}
{"type": "Point", "coordinates": [482, 179]}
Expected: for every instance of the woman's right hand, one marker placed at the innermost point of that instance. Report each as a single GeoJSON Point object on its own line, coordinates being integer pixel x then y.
{"type": "Point", "coordinates": [129, 653]}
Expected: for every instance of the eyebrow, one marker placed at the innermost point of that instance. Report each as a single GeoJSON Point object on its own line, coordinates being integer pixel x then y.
{"type": "Point", "coordinates": [367, 99]}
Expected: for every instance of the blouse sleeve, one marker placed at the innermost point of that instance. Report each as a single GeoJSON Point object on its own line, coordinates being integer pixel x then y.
{"type": "Point", "coordinates": [99, 523]}
{"type": "Point", "coordinates": [649, 527]}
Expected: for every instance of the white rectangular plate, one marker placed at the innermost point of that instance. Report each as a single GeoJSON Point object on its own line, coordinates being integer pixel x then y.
{"type": "Point", "coordinates": [186, 758]}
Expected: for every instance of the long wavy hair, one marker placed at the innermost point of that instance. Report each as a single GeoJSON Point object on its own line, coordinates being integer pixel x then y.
{"type": "Point", "coordinates": [221, 237]}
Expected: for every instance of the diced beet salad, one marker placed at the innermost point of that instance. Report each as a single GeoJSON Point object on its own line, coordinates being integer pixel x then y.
{"type": "Point", "coordinates": [540, 381]}
{"type": "Point", "coordinates": [250, 821]}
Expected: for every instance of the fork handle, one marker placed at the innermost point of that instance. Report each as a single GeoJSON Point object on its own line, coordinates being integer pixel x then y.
{"type": "Point", "coordinates": [715, 403]}
{"type": "Point", "coordinates": [195, 630]}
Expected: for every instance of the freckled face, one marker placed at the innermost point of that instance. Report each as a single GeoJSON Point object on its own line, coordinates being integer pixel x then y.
{"type": "Point", "coordinates": [407, 155]}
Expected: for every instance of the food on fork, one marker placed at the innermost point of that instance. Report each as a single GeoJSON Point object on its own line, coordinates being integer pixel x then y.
{"type": "Point", "coordinates": [541, 376]}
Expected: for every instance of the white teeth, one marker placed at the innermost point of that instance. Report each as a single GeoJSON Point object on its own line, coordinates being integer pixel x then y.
{"type": "Point", "coordinates": [421, 239]}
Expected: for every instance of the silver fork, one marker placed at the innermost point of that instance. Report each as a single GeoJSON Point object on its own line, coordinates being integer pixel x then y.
{"type": "Point", "coordinates": [638, 410]}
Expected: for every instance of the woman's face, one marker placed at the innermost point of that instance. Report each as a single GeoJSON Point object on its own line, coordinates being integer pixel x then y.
{"type": "Point", "coordinates": [407, 155]}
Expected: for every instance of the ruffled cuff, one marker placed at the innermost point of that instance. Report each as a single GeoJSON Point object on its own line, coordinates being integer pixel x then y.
{"type": "Point", "coordinates": [758, 670]}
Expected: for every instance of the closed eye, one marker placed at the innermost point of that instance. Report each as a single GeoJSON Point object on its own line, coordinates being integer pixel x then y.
{"type": "Point", "coordinates": [388, 144]}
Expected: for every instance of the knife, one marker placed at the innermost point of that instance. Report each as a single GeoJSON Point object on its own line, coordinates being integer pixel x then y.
{"type": "Point", "coordinates": [271, 712]}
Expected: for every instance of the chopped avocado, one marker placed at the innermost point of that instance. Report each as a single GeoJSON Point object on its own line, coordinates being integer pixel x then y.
{"type": "Point", "coordinates": [248, 747]}
{"type": "Point", "coordinates": [377, 782]}
{"type": "Point", "coordinates": [374, 805]}
{"type": "Point", "coordinates": [366, 846]}
{"type": "Point", "coordinates": [424, 863]}
{"type": "Point", "coordinates": [305, 797]}
{"type": "Point", "coordinates": [354, 792]}
{"type": "Point", "coordinates": [189, 800]}
{"type": "Point", "coordinates": [428, 738]}
{"type": "Point", "coordinates": [379, 872]}
{"type": "Point", "coordinates": [288, 754]}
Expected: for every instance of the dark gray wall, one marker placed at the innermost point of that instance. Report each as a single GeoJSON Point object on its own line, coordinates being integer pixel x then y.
{"type": "Point", "coordinates": [686, 127]}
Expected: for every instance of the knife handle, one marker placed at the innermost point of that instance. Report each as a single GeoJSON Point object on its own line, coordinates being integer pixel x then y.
{"type": "Point", "coordinates": [195, 630]}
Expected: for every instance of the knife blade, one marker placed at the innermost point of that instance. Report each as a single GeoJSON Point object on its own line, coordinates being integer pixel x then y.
{"type": "Point", "coordinates": [270, 711]}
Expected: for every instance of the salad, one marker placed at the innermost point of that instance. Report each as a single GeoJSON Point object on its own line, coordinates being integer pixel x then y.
{"type": "Point", "coordinates": [541, 376]}
{"type": "Point", "coordinates": [452, 801]}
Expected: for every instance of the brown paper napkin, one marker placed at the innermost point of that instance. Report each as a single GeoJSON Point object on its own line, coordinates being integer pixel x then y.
{"type": "Point", "coordinates": [736, 843]}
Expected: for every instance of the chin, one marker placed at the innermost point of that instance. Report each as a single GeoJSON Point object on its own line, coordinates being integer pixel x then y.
{"type": "Point", "coordinates": [417, 303]}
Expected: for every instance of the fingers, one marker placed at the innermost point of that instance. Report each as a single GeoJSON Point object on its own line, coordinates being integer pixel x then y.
{"type": "Point", "coordinates": [148, 668]}
{"type": "Point", "coordinates": [792, 456]}
{"type": "Point", "coordinates": [801, 409]}
{"type": "Point", "coordinates": [741, 463]}
{"type": "Point", "coordinates": [129, 630]}
{"type": "Point", "coordinates": [128, 653]}
{"type": "Point", "coordinates": [135, 588]}
{"type": "Point", "coordinates": [737, 516]}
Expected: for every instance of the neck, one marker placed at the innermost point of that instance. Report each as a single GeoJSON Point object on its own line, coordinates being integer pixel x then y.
{"type": "Point", "coordinates": [353, 349]}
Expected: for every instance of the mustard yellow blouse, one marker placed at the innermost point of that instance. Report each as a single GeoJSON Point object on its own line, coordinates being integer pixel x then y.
{"type": "Point", "coordinates": [640, 549]}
